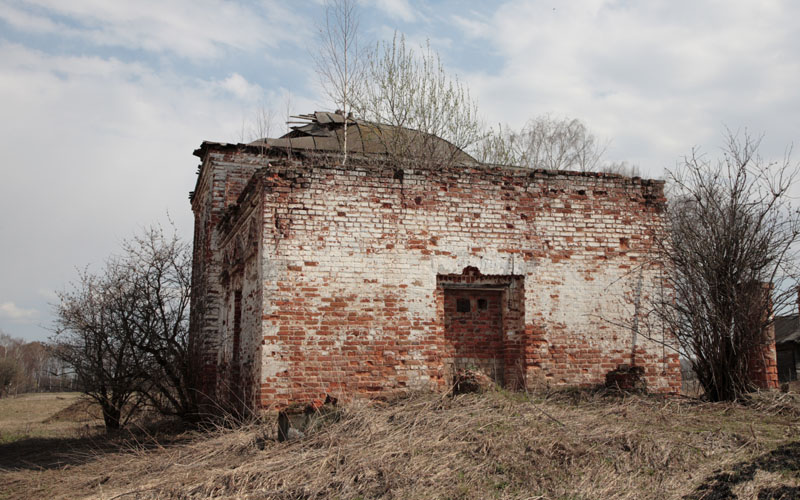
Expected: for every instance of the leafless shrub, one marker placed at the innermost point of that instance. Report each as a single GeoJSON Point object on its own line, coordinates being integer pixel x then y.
{"type": "Point", "coordinates": [158, 270]}
{"type": "Point", "coordinates": [732, 255]}
{"type": "Point", "coordinates": [88, 338]}
{"type": "Point", "coordinates": [621, 168]}
{"type": "Point", "coordinates": [124, 330]}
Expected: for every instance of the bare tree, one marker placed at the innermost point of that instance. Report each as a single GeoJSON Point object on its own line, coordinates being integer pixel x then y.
{"type": "Point", "coordinates": [287, 107]}
{"type": "Point", "coordinates": [405, 93]}
{"type": "Point", "coordinates": [732, 255]}
{"type": "Point", "coordinates": [545, 142]}
{"type": "Point", "coordinates": [90, 325]}
{"type": "Point", "coordinates": [36, 368]}
{"type": "Point", "coordinates": [124, 331]}
{"type": "Point", "coordinates": [258, 126]}
{"type": "Point", "coordinates": [410, 91]}
{"type": "Point", "coordinates": [340, 62]}
{"type": "Point", "coordinates": [158, 274]}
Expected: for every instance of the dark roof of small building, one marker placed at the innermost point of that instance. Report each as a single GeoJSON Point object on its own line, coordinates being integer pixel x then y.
{"type": "Point", "coordinates": [787, 329]}
{"type": "Point", "coordinates": [324, 131]}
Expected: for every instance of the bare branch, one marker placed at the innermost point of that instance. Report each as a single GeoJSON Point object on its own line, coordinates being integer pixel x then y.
{"type": "Point", "coordinates": [340, 61]}
{"type": "Point", "coordinates": [733, 257]}
{"type": "Point", "coordinates": [410, 91]}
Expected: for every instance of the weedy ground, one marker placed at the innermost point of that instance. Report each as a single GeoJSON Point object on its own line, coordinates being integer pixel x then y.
{"type": "Point", "coordinates": [561, 445]}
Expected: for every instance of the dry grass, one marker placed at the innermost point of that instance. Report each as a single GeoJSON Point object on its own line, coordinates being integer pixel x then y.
{"type": "Point", "coordinates": [576, 444]}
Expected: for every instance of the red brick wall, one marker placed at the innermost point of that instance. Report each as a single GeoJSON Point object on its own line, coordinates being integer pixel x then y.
{"type": "Point", "coordinates": [352, 261]}
{"type": "Point", "coordinates": [763, 364]}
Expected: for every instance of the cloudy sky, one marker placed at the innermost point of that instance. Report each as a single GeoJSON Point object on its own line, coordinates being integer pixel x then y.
{"type": "Point", "coordinates": [102, 102]}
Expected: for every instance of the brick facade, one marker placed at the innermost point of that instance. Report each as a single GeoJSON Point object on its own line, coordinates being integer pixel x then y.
{"type": "Point", "coordinates": [763, 364]}
{"type": "Point", "coordinates": [314, 279]}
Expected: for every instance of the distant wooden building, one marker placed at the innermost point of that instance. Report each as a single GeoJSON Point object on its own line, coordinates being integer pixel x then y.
{"type": "Point", "coordinates": [787, 346]}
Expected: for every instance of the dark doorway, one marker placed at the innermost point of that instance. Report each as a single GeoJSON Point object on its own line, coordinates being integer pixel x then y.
{"type": "Point", "coordinates": [786, 365]}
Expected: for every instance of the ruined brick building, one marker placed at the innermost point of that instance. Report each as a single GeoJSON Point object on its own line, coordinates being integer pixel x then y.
{"type": "Point", "coordinates": [385, 274]}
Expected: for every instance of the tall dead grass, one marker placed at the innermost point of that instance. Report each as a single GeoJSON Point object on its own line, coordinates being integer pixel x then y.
{"type": "Point", "coordinates": [568, 444]}
{"type": "Point", "coordinates": [498, 445]}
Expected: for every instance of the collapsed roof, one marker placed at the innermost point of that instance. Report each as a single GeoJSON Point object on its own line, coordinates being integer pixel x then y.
{"type": "Point", "coordinates": [787, 329]}
{"type": "Point", "coordinates": [324, 131]}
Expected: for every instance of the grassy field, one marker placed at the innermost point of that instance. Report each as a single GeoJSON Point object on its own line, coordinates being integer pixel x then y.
{"type": "Point", "coordinates": [45, 415]}
{"type": "Point", "coordinates": [563, 445]}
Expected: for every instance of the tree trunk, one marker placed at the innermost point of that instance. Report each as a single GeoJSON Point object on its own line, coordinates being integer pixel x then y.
{"type": "Point", "coordinates": [111, 417]}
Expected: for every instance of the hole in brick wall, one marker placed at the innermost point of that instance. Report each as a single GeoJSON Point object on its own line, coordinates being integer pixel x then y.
{"type": "Point", "coordinates": [483, 304]}
{"type": "Point", "coordinates": [462, 305]}
{"type": "Point", "coordinates": [581, 192]}
{"type": "Point", "coordinates": [418, 200]}
{"type": "Point", "coordinates": [399, 174]}
{"type": "Point", "coordinates": [623, 243]}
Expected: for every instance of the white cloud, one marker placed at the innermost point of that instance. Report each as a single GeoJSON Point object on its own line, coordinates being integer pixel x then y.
{"type": "Point", "coordinates": [94, 148]}
{"type": "Point", "coordinates": [654, 77]}
{"type": "Point", "coordinates": [238, 85]}
{"type": "Point", "coordinates": [9, 310]}
{"type": "Point", "coordinates": [28, 21]}
{"type": "Point", "coordinates": [399, 9]}
{"type": "Point", "coordinates": [196, 29]}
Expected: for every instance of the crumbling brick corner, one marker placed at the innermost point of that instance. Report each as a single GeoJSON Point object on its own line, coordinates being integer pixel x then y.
{"type": "Point", "coordinates": [763, 364]}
